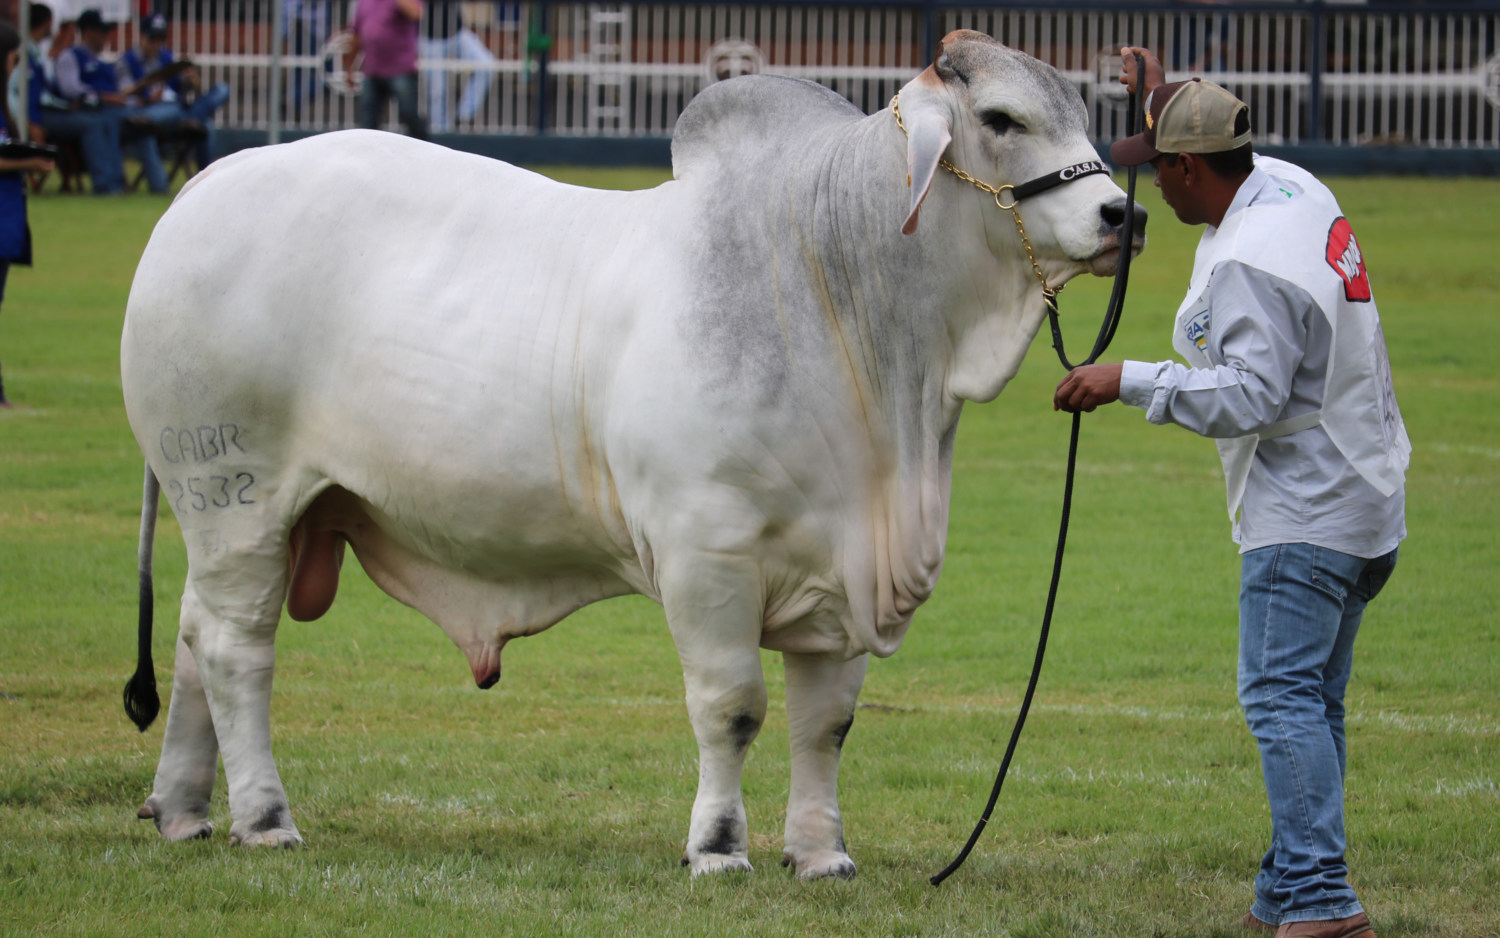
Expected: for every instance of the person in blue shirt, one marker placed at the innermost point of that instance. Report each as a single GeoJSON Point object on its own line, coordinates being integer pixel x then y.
{"type": "Point", "coordinates": [15, 233]}
{"type": "Point", "coordinates": [177, 102]}
{"type": "Point", "coordinates": [88, 83]}
{"type": "Point", "coordinates": [97, 132]}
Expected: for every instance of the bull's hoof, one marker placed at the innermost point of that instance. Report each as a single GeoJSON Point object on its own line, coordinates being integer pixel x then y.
{"type": "Point", "coordinates": [273, 829]}
{"type": "Point", "coordinates": [278, 837]}
{"type": "Point", "coordinates": [820, 864]}
{"type": "Point", "coordinates": [187, 826]}
{"type": "Point", "coordinates": [720, 863]}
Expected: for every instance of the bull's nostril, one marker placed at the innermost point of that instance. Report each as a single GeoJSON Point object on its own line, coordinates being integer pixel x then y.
{"type": "Point", "coordinates": [1113, 216]}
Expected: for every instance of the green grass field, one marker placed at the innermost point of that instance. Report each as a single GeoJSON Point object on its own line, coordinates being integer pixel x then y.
{"type": "Point", "coordinates": [556, 803]}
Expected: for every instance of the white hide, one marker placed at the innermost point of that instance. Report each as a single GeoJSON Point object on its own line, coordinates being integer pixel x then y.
{"type": "Point", "coordinates": [735, 393]}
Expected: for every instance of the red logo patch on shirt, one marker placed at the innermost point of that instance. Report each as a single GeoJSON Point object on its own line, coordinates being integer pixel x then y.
{"type": "Point", "coordinates": [1344, 257]}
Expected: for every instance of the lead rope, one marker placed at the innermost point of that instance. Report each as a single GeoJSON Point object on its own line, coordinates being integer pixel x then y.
{"type": "Point", "coordinates": [1106, 335]}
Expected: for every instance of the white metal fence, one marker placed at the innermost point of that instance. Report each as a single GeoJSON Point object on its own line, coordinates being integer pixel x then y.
{"type": "Point", "coordinates": [1326, 72]}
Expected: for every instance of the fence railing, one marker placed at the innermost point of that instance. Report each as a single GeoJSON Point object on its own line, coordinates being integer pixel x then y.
{"type": "Point", "coordinates": [1350, 73]}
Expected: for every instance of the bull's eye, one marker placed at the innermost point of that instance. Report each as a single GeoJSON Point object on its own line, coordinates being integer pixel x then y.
{"type": "Point", "coordinates": [1002, 123]}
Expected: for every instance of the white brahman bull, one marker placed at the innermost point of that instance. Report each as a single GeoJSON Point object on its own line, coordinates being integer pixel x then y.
{"type": "Point", "coordinates": [735, 393]}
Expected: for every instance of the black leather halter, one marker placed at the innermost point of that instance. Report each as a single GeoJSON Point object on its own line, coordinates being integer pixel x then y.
{"type": "Point", "coordinates": [1052, 180]}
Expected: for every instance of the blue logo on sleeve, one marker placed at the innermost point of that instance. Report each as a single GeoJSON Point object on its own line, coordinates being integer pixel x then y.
{"type": "Point", "coordinates": [1197, 329]}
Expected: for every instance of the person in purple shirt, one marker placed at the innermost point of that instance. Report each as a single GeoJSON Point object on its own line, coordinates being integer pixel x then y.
{"type": "Point", "coordinates": [386, 32]}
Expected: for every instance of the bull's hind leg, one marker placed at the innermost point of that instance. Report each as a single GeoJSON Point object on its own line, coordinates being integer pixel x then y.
{"type": "Point", "coordinates": [820, 700]}
{"type": "Point", "coordinates": [715, 618]}
{"type": "Point", "coordinates": [230, 611]}
{"type": "Point", "coordinates": [189, 758]}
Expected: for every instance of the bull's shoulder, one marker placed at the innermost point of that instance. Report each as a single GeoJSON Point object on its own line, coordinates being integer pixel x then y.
{"type": "Point", "coordinates": [744, 121]}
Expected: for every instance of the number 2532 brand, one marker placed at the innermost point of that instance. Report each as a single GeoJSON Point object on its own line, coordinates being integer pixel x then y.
{"type": "Point", "coordinates": [203, 493]}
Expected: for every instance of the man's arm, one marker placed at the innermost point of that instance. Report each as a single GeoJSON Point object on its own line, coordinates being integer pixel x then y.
{"type": "Point", "coordinates": [70, 84]}
{"type": "Point", "coordinates": [412, 9]}
{"type": "Point", "coordinates": [1259, 338]}
{"type": "Point", "coordinates": [34, 164]}
{"type": "Point", "coordinates": [352, 50]}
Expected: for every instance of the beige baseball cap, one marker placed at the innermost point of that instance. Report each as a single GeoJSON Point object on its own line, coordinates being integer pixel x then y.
{"type": "Point", "coordinates": [1184, 117]}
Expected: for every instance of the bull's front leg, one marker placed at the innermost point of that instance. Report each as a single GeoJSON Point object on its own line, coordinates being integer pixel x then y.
{"type": "Point", "coordinates": [716, 621]}
{"type": "Point", "coordinates": [820, 699]}
{"type": "Point", "coordinates": [189, 758]}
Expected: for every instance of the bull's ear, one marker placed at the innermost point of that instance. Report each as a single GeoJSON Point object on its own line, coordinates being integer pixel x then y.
{"type": "Point", "coordinates": [928, 137]}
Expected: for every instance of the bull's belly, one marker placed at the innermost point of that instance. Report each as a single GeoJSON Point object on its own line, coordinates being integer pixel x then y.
{"type": "Point", "coordinates": [483, 601]}
{"type": "Point", "coordinates": [497, 592]}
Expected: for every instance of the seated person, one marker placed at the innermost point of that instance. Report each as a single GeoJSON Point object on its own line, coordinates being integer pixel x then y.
{"type": "Point", "coordinates": [178, 101]}
{"type": "Point", "coordinates": [96, 132]}
{"type": "Point", "coordinates": [86, 81]}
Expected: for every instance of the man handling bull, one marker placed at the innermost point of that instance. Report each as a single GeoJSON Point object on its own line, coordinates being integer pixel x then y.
{"type": "Point", "coordinates": [1287, 370]}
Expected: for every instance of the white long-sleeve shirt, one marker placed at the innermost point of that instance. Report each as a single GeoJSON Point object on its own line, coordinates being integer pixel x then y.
{"type": "Point", "coordinates": [69, 79]}
{"type": "Point", "coordinates": [1269, 346]}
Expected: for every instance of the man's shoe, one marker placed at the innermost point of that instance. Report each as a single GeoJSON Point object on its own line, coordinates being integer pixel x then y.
{"type": "Point", "coordinates": [1251, 922]}
{"type": "Point", "coordinates": [1355, 926]}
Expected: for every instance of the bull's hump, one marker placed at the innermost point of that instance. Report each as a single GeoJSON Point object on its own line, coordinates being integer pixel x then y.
{"type": "Point", "coordinates": [744, 120]}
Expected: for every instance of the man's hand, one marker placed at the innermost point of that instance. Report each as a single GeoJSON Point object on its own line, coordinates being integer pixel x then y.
{"type": "Point", "coordinates": [1086, 387]}
{"type": "Point", "coordinates": [31, 164]}
{"type": "Point", "coordinates": [1155, 74]}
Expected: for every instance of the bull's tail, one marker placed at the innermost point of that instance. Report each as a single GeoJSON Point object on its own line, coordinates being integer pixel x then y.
{"type": "Point", "coordinates": [142, 703]}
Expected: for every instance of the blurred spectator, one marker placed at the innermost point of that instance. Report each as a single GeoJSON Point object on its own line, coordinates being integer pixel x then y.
{"type": "Point", "coordinates": [386, 31]}
{"type": "Point", "coordinates": [1200, 40]}
{"type": "Point", "coordinates": [64, 20]}
{"type": "Point", "coordinates": [179, 101]}
{"type": "Point", "coordinates": [88, 83]}
{"type": "Point", "coordinates": [15, 234]}
{"type": "Point", "coordinates": [96, 132]}
{"type": "Point", "coordinates": [445, 37]}
{"type": "Point", "coordinates": [304, 30]}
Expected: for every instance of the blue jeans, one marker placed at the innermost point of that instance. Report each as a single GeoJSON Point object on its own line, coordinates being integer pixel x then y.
{"type": "Point", "coordinates": [377, 93]}
{"type": "Point", "coordinates": [140, 142]}
{"type": "Point", "coordinates": [1300, 609]}
{"type": "Point", "coordinates": [306, 28]}
{"type": "Point", "coordinates": [98, 136]}
{"type": "Point", "coordinates": [462, 46]}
